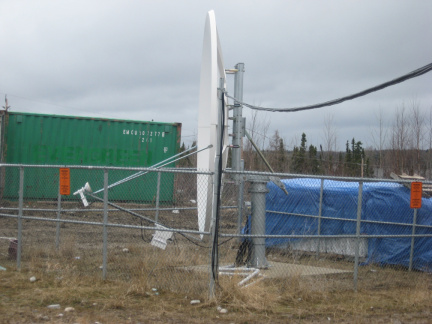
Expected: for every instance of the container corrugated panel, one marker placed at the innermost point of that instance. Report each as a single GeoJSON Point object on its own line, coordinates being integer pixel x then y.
{"type": "Point", "coordinates": [66, 140]}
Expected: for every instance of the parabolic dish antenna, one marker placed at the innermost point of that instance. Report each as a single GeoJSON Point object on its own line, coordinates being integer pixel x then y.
{"type": "Point", "coordinates": [212, 71]}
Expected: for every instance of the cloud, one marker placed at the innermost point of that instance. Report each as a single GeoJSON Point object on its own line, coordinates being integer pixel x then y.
{"type": "Point", "coordinates": [141, 60]}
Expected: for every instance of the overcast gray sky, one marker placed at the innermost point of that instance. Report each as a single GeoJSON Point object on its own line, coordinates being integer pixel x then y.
{"type": "Point", "coordinates": [141, 60]}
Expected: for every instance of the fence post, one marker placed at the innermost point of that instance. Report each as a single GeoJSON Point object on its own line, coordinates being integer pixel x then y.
{"type": "Point", "coordinates": [240, 201]}
{"type": "Point", "coordinates": [105, 222]}
{"type": "Point", "coordinates": [319, 218]}
{"type": "Point", "coordinates": [157, 196]}
{"type": "Point", "coordinates": [412, 240]}
{"type": "Point", "coordinates": [57, 240]}
{"type": "Point", "coordinates": [357, 246]}
{"type": "Point", "coordinates": [20, 214]}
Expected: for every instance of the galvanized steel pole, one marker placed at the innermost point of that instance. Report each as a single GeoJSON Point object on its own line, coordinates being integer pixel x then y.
{"type": "Point", "coordinates": [157, 196]}
{"type": "Point", "coordinates": [57, 241]}
{"type": "Point", "coordinates": [357, 246]}
{"type": "Point", "coordinates": [105, 222]}
{"type": "Point", "coordinates": [240, 202]}
{"type": "Point", "coordinates": [238, 117]}
{"type": "Point", "coordinates": [319, 218]}
{"type": "Point", "coordinates": [258, 191]}
{"type": "Point", "coordinates": [20, 214]}
{"type": "Point", "coordinates": [412, 240]}
{"type": "Point", "coordinates": [238, 133]}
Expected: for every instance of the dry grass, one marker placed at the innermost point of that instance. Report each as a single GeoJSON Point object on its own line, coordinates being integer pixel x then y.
{"type": "Point", "coordinates": [71, 277]}
{"type": "Point", "coordinates": [127, 296]}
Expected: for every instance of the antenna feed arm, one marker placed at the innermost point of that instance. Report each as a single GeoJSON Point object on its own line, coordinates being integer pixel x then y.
{"type": "Point", "coordinates": [278, 183]}
{"type": "Point", "coordinates": [81, 191]}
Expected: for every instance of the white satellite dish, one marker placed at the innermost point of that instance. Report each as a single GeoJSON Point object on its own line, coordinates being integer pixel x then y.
{"type": "Point", "coordinates": [212, 70]}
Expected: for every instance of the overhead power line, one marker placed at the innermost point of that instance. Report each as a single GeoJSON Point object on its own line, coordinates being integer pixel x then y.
{"type": "Point", "coordinates": [413, 74]}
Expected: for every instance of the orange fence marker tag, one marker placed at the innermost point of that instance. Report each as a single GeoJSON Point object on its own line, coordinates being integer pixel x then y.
{"type": "Point", "coordinates": [416, 195]}
{"type": "Point", "coordinates": [64, 181]}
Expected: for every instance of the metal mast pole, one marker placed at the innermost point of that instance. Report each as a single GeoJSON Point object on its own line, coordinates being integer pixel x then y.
{"type": "Point", "coordinates": [258, 192]}
{"type": "Point", "coordinates": [238, 124]}
{"type": "Point", "coordinates": [237, 142]}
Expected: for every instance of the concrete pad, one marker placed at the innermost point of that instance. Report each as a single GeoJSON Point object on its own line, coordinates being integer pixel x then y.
{"type": "Point", "coordinates": [281, 270]}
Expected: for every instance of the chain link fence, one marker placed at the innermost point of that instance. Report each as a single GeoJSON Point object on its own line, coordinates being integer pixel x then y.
{"type": "Point", "coordinates": [112, 237]}
{"type": "Point", "coordinates": [340, 228]}
{"type": "Point", "coordinates": [141, 226]}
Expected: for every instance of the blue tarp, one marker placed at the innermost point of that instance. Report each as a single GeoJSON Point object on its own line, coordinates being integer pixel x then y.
{"type": "Point", "coordinates": [381, 202]}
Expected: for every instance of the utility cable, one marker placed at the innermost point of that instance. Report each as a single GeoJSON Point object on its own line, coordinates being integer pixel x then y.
{"type": "Point", "coordinates": [214, 253]}
{"type": "Point", "coordinates": [425, 69]}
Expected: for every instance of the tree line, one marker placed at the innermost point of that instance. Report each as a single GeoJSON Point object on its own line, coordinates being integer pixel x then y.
{"type": "Point", "coordinates": [402, 144]}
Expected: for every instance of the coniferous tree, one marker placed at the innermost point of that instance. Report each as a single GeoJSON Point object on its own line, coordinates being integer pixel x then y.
{"type": "Point", "coordinates": [305, 160]}
{"type": "Point", "coordinates": [313, 163]}
{"type": "Point", "coordinates": [299, 156]}
{"type": "Point", "coordinates": [277, 154]}
{"type": "Point", "coordinates": [294, 158]}
{"type": "Point", "coordinates": [348, 160]}
{"type": "Point", "coordinates": [355, 159]}
{"type": "Point", "coordinates": [282, 158]}
{"type": "Point", "coordinates": [339, 167]}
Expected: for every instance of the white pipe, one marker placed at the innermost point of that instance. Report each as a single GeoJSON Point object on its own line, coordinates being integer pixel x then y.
{"type": "Point", "coordinates": [254, 282]}
{"type": "Point", "coordinates": [83, 197]}
{"type": "Point", "coordinates": [235, 273]}
{"type": "Point", "coordinates": [253, 274]}
{"type": "Point", "coordinates": [250, 273]}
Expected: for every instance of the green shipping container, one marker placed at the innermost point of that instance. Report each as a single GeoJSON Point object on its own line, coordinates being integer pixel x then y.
{"type": "Point", "coordinates": [66, 140]}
